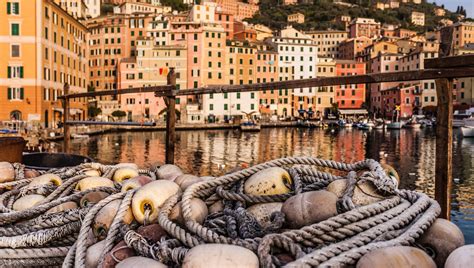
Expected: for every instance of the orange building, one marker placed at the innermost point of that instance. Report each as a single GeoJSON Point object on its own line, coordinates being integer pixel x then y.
{"type": "Point", "coordinates": [42, 47]}
{"type": "Point", "coordinates": [350, 96]}
{"type": "Point", "coordinates": [267, 71]}
{"type": "Point", "coordinates": [238, 9]}
{"type": "Point", "coordinates": [364, 27]}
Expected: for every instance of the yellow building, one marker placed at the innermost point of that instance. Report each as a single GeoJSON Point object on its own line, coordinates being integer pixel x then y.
{"type": "Point", "coordinates": [324, 97]}
{"type": "Point", "coordinates": [296, 17]}
{"type": "Point", "coordinates": [42, 47]}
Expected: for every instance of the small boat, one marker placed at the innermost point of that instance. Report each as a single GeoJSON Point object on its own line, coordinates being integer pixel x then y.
{"type": "Point", "coordinates": [365, 126]}
{"type": "Point", "coordinates": [460, 117]}
{"type": "Point", "coordinates": [413, 123]}
{"type": "Point", "coordinates": [250, 126]}
{"type": "Point", "coordinates": [467, 131]}
{"type": "Point", "coordinates": [79, 136]}
{"type": "Point", "coordinates": [395, 125]}
{"type": "Point", "coordinates": [348, 125]}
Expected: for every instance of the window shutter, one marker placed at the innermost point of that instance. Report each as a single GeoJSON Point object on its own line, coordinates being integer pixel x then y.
{"type": "Point", "coordinates": [21, 93]}
{"type": "Point", "coordinates": [9, 93]}
{"type": "Point", "coordinates": [9, 72]}
{"type": "Point", "coordinates": [17, 8]}
{"type": "Point", "coordinates": [21, 72]}
{"type": "Point", "coordinates": [9, 8]}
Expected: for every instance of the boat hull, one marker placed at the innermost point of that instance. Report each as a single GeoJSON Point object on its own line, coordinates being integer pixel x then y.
{"type": "Point", "coordinates": [395, 125]}
{"type": "Point", "coordinates": [252, 128]}
{"type": "Point", "coordinates": [467, 132]}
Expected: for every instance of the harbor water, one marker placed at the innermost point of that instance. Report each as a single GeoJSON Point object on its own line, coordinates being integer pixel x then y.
{"type": "Point", "coordinates": [213, 152]}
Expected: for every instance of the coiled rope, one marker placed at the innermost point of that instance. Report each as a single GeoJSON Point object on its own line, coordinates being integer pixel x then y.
{"type": "Point", "coordinates": [31, 237]}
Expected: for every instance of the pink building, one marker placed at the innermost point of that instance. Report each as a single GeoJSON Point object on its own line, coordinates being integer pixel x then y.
{"type": "Point", "coordinates": [382, 63]}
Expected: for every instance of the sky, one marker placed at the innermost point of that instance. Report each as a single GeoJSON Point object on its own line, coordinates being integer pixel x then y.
{"type": "Point", "coordinates": [452, 5]}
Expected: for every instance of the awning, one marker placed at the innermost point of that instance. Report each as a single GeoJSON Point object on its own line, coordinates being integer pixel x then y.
{"type": "Point", "coordinates": [72, 111]}
{"type": "Point", "coordinates": [353, 111]}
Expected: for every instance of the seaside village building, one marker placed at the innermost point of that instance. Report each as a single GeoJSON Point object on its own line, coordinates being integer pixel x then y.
{"type": "Point", "coordinates": [42, 47]}
{"type": "Point", "coordinates": [298, 55]}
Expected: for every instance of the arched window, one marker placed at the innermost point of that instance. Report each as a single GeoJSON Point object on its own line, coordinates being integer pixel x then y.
{"type": "Point", "coordinates": [15, 115]}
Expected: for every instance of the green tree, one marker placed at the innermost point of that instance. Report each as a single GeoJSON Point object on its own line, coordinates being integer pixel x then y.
{"type": "Point", "coordinates": [93, 111]}
{"type": "Point", "coordinates": [118, 114]}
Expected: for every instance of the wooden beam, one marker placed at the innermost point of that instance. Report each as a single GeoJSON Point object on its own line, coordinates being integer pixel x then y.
{"type": "Point", "coordinates": [117, 92]}
{"type": "Point", "coordinates": [444, 146]}
{"type": "Point", "coordinates": [145, 124]}
{"type": "Point", "coordinates": [450, 62]}
{"type": "Point", "coordinates": [444, 131]}
{"type": "Point", "coordinates": [170, 119]}
{"type": "Point", "coordinates": [66, 130]}
{"type": "Point", "coordinates": [328, 81]}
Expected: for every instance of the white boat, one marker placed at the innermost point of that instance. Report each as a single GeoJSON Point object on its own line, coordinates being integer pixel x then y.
{"type": "Point", "coordinates": [460, 117]}
{"type": "Point", "coordinates": [250, 126]}
{"type": "Point", "coordinates": [79, 136]}
{"type": "Point", "coordinates": [467, 131]}
{"type": "Point", "coordinates": [395, 125]}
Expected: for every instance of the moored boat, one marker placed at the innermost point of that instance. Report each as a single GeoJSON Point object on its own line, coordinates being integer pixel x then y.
{"type": "Point", "coordinates": [250, 126]}
{"type": "Point", "coordinates": [395, 125]}
{"type": "Point", "coordinates": [467, 131]}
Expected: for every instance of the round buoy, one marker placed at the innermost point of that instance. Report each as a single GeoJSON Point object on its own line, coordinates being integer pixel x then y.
{"type": "Point", "coordinates": [270, 181]}
{"type": "Point", "coordinates": [219, 256]}
{"type": "Point", "coordinates": [443, 237]}
{"type": "Point", "coordinates": [461, 257]}
{"type": "Point", "coordinates": [396, 257]}
{"type": "Point", "coordinates": [308, 208]}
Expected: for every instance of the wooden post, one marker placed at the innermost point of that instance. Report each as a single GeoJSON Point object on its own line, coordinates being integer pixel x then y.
{"type": "Point", "coordinates": [444, 132]}
{"type": "Point", "coordinates": [444, 146]}
{"type": "Point", "coordinates": [66, 130]}
{"type": "Point", "coordinates": [170, 119]}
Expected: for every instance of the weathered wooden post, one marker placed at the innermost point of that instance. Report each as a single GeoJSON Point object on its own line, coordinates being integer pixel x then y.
{"type": "Point", "coordinates": [170, 118]}
{"type": "Point", "coordinates": [444, 132]}
{"type": "Point", "coordinates": [66, 130]}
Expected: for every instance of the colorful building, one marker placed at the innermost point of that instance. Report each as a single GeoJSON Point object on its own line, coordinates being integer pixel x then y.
{"type": "Point", "coordinates": [325, 96]}
{"type": "Point", "coordinates": [328, 42]}
{"type": "Point", "coordinates": [150, 67]}
{"type": "Point", "coordinates": [364, 27]}
{"type": "Point", "coordinates": [350, 96]}
{"type": "Point", "coordinates": [42, 48]}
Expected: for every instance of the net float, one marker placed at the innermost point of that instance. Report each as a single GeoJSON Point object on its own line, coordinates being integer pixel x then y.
{"type": "Point", "coordinates": [140, 262]}
{"type": "Point", "coordinates": [118, 253]}
{"type": "Point", "coordinates": [220, 255]}
{"type": "Point", "coordinates": [270, 181]}
{"type": "Point", "coordinates": [125, 173]}
{"type": "Point", "coordinates": [216, 207]}
{"type": "Point", "coordinates": [198, 208]}
{"type": "Point", "coordinates": [135, 182]}
{"type": "Point", "coordinates": [93, 254]}
{"type": "Point", "coordinates": [103, 219]}
{"type": "Point", "coordinates": [308, 208]}
{"type": "Point", "coordinates": [93, 182]}
{"type": "Point", "coordinates": [168, 172]}
{"type": "Point", "coordinates": [92, 198]}
{"type": "Point", "coordinates": [127, 165]}
{"type": "Point", "coordinates": [27, 201]}
{"type": "Point", "coordinates": [151, 196]}
{"type": "Point", "coordinates": [262, 212]}
{"type": "Point", "coordinates": [31, 173]}
{"type": "Point", "coordinates": [153, 232]}
{"type": "Point", "coordinates": [461, 257]}
{"type": "Point", "coordinates": [398, 256]}
{"type": "Point", "coordinates": [62, 207]}
{"type": "Point", "coordinates": [186, 180]}
{"type": "Point", "coordinates": [7, 172]}
{"type": "Point", "coordinates": [364, 192]}
{"type": "Point", "coordinates": [46, 179]}
{"type": "Point", "coordinates": [91, 172]}
{"type": "Point", "coordinates": [442, 238]}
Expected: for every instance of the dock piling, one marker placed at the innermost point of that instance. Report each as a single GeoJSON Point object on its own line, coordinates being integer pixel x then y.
{"type": "Point", "coordinates": [170, 119]}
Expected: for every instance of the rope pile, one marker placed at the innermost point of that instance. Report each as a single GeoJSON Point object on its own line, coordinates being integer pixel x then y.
{"type": "Point", "coordinates": [32, 237]}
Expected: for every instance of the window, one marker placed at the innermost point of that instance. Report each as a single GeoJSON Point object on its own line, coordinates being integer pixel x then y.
{"type": "Point", "coordinates": [225, 107]}
{"type": "Point", "coordinates": [225, 95]}
{"type": "Point", "coordinates": [252, 95]}
{"type": "Point", "coordinates": [13, 8]}
{"type": "Point", "coordinates": [15, 93]}
{"type": "Point", "coordinates": [211, 107]}
{"type": "Point", "coordinates": [252, 106]}
{"type": "Point", "coordinates": [211, 96]}
{"type": "Point", "coordinates": [15, 29]}
{"type": "Point", "coordinates": [238, 95]}
{"type": "Point", "coordinates": [15, 51]}
{"type": "Point", "coordinates": [15, 71]}
{"type": "Point", "coordinates": [238, 106]}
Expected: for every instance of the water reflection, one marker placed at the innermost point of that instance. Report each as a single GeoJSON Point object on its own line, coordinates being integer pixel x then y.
{"type": "Point", "coordinates": [411, 152]}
